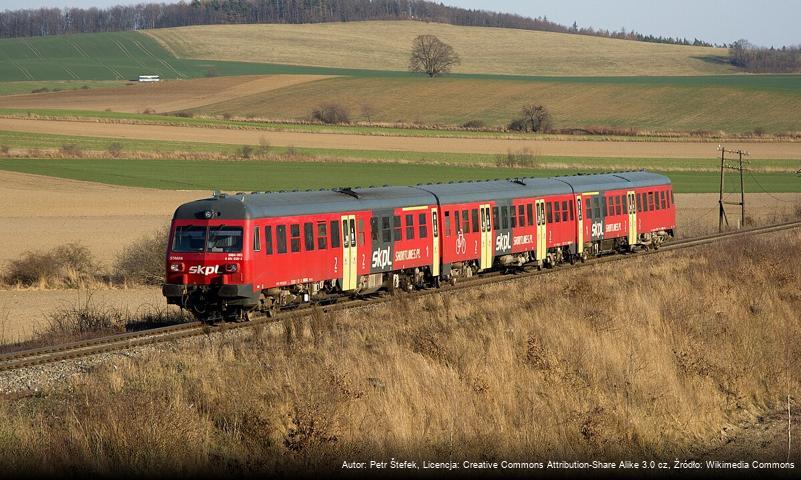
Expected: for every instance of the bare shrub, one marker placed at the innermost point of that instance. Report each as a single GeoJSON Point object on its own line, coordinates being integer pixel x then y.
{"type": "Point", "coordinates": [149, 111]}
{"type": "Point", "coordinates": [474, 124]}
{"type": "Point", "coordinates": [524, 158]}
{"type": "Point", "coordinates": [331, 113]}
{"type": "Point", "coordinates": [4, 149]}
{"type": "Point", "coordinates": [71, 265]}
{"type": "Point", "coordinates": [536, 118]}
{"type": "Point", "coordinates": [142, 261]}
{"type": "Point", "coordinates": [115, 149]}
{"type": "Point", "coordinates": [245, 151]}
{"type": "Point", "coordinates": [264, 146]}
{"type": "Point", "coordinates": [517, 125]}
{"type": "Point", "coordinates": [71, 149]}
{"type": "Point", "coordinates": [227, 116]}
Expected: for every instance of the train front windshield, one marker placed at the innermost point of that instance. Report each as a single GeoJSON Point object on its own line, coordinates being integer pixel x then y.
{"type": "Point", "coordinates": [215, 239]}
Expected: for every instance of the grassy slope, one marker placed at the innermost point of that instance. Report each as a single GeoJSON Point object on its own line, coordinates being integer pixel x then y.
{"type": "Point", "coordinates": [262, 175]}
{"type": "Point", "coordinates": [385, 46]}
{"type": "Point", "coordinates": [711, 106]}
{"type": "Point", "coordinates": [657, 357]}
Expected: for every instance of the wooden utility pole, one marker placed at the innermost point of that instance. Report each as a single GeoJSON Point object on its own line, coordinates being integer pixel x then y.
{"type": "Point", "coordinates": [723, 166]}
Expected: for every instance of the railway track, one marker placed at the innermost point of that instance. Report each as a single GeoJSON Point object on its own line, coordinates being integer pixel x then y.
{"type": "Point", "coordinates": [112, 343]}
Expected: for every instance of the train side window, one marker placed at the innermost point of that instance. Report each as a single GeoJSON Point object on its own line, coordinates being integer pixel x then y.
{"type": "Point", "coordinates": [639, 202]}
{"type": "Point", "coordinates": [474, 220]}
{"type": "Point", "coordinates": [458, 221]}
{"type": "Point", "coordinates": [361, 232]}
{"type": "Point", "coordinates": [409, 227]}
{"type": "Point", "coordinates": [565, 209]}
{"type": "Point", "coordinates": [521, 215]}
{"type": "Point", "coordinates": [588, 203]}
{"type": "Point", "coordinates": [396, 228]}
{"type": "Point", "coordinates": [618, 210]}
{"type": "Point", "coordinates": [495, 224]}
{"type": "Point", "coordinates": [280, 238]}
{"type": "Point", "coordinates": [530, 214]}
{"type": "Point", "coordinates": [650, 201]}
{"type": "Point", "coordinates": [294, 237]}
{"type": "Point", "coordinates": [672, 200]}
{"type": "Point", "coordinates": [596, 208]}
{"type": "Point", "coordinates": [257, 239]}
{"type": "Point", "coordinates": [512, 217]}
{"type": "Point", "coordinates": [664, 201]}
{"type": "Point", "coordinates": [268, 240]}
{"type": "Point", "coordinates": [466, 221]}
{"type": "Point", "coordinates": [386, 230]}
{"type": "Point", "coordinates": [447, 224]}
{"type": "Point", "coordinates": [549, 212]}
{"type": "Point", "coordinates": [322, 236]}
{"type": "Point", "coordinates": [374, 228]}
{"type": "Point", "coordinates": [504, 218]}
{"type": "Point", "coordinates": [334, 234]}
{"type": "Point", "coordinates": [624, 201]}
{"type": "Point", "coordinates": [570, 209]}
{"type": "Point", "coordinates": [557, 212]}
{"type": "Point", "coordinates": [423, 227]}
{"type": "Point", "coordinates": [308, 235]}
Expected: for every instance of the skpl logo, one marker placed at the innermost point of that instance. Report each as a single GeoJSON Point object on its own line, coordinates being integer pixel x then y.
{"type": "Point", "coordinates": [502, 242]}
{"type": "Point", "coordinates": [381, 258]}
{"type": "Point", "coordinates": [201, 270]}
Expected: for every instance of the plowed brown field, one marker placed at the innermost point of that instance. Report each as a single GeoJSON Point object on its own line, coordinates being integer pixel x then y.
{"type": "Point", "coordinates": [168, 96]}
{"type": "Point", "coordinates": [772, 150]}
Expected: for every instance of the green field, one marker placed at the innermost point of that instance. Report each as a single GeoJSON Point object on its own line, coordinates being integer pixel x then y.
{"type": "Point", "coordinates": [275, 175]}
{"type": "Point", "coordinates": [33, 141]}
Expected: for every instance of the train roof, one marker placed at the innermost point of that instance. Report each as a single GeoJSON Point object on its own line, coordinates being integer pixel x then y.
{"type": "Point", "coordinates": [466, 192]}
{"type": "Point", "coordinates": [613, 181]}
{"type": "Point", "coordinates": [282, 204]}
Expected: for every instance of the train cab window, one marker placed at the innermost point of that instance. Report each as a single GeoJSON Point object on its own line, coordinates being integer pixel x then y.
{"type": "Point", "coordinates": [280, 238]}
{"type": "Point", "coordinates": [409, 227]}
{"type": "Point", "coordinates": [465, 221]}
{"type": "Point", "coordinates": [396, 228]}
{"type": "Point", "coordinates": [294, 237]}
{"type": "Point", "coordinates": [268, 240]}
{"type": "Point", "coordinates": [386, 230]}
{"type": "Point", "coordinates": [423, 227]}
{"type": "Point", "coordinates": [374, 228]}
{"type": "Point", "coordinates": [664, 201]}
{"type": "Point", "coordinates": [447, 224]}
{"type": "Point", "coordinates": [334, 234]}
{"type": "Point", "coordinates": [495, 224]}
{"type": "Point", "coordinates": [549, 212]}
{"type": "Point", "coordinates": [475, 224]}
{"type": "Point", "coordinates": [308, 236]}
{"type": "Point", "coordinates": [530, 214]}
{"type": "Point", "coordinates": [322, 236]}
{"type": "Point", "coordinates": [504, 218]}
{"type": "Point", "coordinates": [224, 239]}
{"type": "Point", "coordinates": [256, 239]}
{"type": "Point", "coordinates": [188, 239]}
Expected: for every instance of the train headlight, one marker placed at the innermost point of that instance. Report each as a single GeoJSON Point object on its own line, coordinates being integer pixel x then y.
{"type": "Point", "coordinates": [231, 268]}
{"type": "Point", "coordinates": [208, 214]}
{"type": "Point", "coordinates": [176, 267]}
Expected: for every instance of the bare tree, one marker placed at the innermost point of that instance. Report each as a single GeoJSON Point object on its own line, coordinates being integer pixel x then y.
{"type": "Point", "coordinates": [432, 56]}
{"type": "Point", "coordinates": [368, 110]}
{"type": "Point", "coordinates": [536, 117]}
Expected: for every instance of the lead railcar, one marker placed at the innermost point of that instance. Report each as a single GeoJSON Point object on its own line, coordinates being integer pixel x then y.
{"type": "Point", "coordinates": [231, 255]}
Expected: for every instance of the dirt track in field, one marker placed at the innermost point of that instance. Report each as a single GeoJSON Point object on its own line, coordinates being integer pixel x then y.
{"type": "Point", "coordinates": [167, 96]}
{"type": "Point", "coordinates": [413, 144]}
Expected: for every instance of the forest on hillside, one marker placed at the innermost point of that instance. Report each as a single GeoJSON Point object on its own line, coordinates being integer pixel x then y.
{"type": "Point", "coordinates": [56, 21]}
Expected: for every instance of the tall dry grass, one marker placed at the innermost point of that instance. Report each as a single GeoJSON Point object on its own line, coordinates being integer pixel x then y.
{"type": "Point", "coordinates": [660, 357]}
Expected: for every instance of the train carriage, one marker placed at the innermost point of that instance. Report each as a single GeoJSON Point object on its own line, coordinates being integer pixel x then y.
{"type": "Point", "coordinates": [230, 255]}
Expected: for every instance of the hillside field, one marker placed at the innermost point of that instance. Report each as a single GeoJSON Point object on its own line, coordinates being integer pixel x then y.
{"type": "Point", "coordinates": [385, 45]}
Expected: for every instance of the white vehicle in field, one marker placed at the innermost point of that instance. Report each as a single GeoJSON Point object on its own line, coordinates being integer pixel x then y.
{"type": "Point", "coordinates": [149, 78]}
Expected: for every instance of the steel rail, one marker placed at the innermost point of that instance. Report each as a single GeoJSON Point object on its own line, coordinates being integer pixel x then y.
{"type": "Point", "coordinates": [112, 343]}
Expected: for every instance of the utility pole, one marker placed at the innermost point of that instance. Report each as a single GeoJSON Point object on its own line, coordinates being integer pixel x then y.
{"type": "Point", "coordinates": [723, 166]}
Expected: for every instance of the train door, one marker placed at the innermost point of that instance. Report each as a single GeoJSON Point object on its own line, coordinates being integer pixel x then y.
{"type": "Point", "coordinates": [486, 237]}
{"type": "Point", "coordinates": [349, 253]}
{"type": "Point", "coordinates": [435, 243]}
{"type": "Point", "coordinates": [580, 224]}
{"type": "Point", "coordinates": [541, 230]}
{"type": "Point", "coordinates": [632, 218]}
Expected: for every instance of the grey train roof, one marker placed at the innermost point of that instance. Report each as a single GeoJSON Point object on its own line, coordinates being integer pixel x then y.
{"type": "Point", "coordinates": [613, 181]}
{"type": "Point", "coordinates": [279, 204]}
{"type": "Point", "coordinates": [464, 192]}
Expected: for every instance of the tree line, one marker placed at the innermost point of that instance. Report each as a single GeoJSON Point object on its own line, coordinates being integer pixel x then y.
{"type": "Point", "coordinates": [765, 60]}
{"type": "Point", "coordinates": [55, 21]}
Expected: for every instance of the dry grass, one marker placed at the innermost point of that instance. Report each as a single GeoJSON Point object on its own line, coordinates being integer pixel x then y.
{"type": "Point", "coordinates": [385, 45]}
{"type": "Point", "coordinates": [659, 357]}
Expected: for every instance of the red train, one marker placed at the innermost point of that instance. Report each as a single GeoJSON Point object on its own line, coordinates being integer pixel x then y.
{"type": "Point", "coordinates": [231, 255]}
